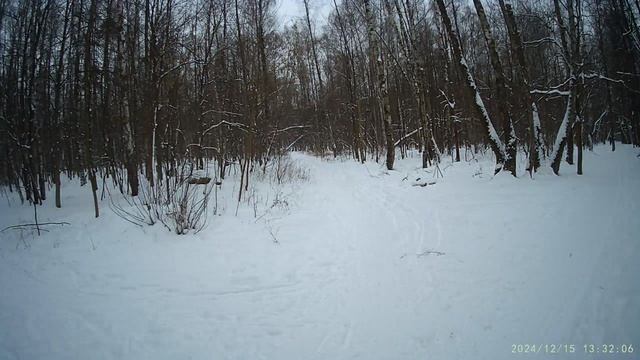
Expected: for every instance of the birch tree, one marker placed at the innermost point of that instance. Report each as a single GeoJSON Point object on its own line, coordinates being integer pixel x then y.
{"type": "Point", "coordinates": [479, 107]}
{"type": "Point", "coordinates": [376, 57]}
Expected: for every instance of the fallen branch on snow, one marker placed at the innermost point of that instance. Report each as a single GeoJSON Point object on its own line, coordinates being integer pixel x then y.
{"type": "Point", "coordinates": [21, 226]}
{"type": "Point", "coordinates": [423, 183]}
{"type": "Point", "coordinates": [430, 252]}
{"type": "Point", "coordinates": [425, 253]}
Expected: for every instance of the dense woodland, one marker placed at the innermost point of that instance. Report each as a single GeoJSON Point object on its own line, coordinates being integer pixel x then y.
{"type": "Point", "coordinates": [130, 92]}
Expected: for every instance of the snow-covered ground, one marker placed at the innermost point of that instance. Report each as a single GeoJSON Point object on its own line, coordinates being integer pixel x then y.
{"type": "Point", "coordinates": [350, 262]}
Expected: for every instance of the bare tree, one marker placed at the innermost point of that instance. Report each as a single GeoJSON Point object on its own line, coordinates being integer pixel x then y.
{"type": "Point", "coordinates": [501, 92]}
{"type": "Point", "coordinates": [376, 57]}
{"type": "Point", "coordinates": [472, 90]}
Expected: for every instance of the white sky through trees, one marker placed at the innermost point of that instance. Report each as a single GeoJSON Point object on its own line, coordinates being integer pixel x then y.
{"type": "Point", "coordinates": [289, 10]}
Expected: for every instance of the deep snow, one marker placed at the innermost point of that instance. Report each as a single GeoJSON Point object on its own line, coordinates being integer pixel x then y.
{"type": "Point", "coordinates": [355, 262]}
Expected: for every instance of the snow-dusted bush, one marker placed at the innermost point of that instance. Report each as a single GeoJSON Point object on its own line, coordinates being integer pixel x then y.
{"type": "Point", "coordinates": [179, 201]}
{"type": "Point", "coordinates": [286, 170]}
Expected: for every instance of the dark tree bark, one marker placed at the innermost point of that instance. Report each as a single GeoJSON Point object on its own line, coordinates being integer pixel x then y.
{"type": "Point", "coordinates": [570, 45]}
{"type": "Point", "coordinates": [376, 58]}
{"type": "Point", "coordinates": [472, 91]}
{"type": "Point", "coordinates": [501, 92]}
{"type": "Point", "coordinates": [536, 153]}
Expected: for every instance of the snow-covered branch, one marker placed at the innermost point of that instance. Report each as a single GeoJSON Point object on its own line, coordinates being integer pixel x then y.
{"type": "Point", "coordinates": [449, 103]}
{"type": "Point", "coordinates": [220, 112]}
{"type": "Point", "coordinates": [551, 92]}
{"type": "Point", "coordinates": [204, 147]}
{"type": "Point", "coordinates": [276, 131]}
{"type": "Point", "coordinates": [541, 41]}
{"type": "Point", "coordinates": [236, 125]}
{"type": "Point", "coordinates": [406, 136]}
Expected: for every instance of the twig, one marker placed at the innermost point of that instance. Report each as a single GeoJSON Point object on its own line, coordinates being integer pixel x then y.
{"type": "Point", "coordinates": [424, 253]}
{"type": "Point", "coordinates": [430, 252]}
{"type": "Point", "coordinates": [423, 184]}
{"type": "Point", "coordinates": [273, 237]}
{"type": "Point", "coordinates": [237, 125]}
{"type": "Point", "coordinates": [294, 142]}
{"type": "Point", "coordinates": [404, 137]}
{"type": "Point", "coordinates": [34, 225]}
{"type": "Point", "coordinates": [276, 131]}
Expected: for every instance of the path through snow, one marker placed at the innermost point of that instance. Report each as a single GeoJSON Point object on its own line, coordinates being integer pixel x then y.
{"type": "Point", "coordinates": [366, 266]}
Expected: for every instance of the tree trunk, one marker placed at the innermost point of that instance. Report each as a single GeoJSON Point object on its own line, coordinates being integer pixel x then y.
{"type": "Point", "coordinates": [570, 46]}
{"type": "Point", "coordinates": [89, 113]}
{"type": "Point", "coordinates": [472, 90]}
{"type": "Point", "coordinates": [570, 145]}
{"type": "Point", "coordinates": [313, 44]}
{"type": "Point", "coordinates": [563, 134]}
{"type": "Point", "coordinates": [501, 91]}
{"type": "Point", "coordinates": [56, 177]}
{"type": "Point", "coordinates": [377, 59]}
{"type": "Point", "coordinates": [536, 145]}
{"type": "Point", "coordinates": [578, 130]}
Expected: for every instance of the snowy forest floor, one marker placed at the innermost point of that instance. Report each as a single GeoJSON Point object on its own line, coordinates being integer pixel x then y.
{"type": "Point", "coordinates": [346, 261]}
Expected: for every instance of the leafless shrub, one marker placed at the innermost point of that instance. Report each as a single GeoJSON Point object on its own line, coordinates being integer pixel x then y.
{"type": "Point", "coordinates": [280, 202]}
{"type": "Point", "coordinates": [285, 170]}
{"type": "Point", "coordinates": [178, 201]}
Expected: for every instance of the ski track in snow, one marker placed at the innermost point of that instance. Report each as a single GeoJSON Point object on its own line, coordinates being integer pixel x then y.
{"type": "Point", "coordinates": [366, 266]}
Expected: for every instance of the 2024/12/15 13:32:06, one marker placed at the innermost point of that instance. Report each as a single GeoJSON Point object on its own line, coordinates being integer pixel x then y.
{"type": "Point", "coordinates": [571, 348]}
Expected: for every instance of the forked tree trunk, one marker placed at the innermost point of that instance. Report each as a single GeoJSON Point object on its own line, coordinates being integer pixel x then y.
{"type": "Point", "coordinates": [501, 91]}
{"type": "Point", "coordinates": [536, 146]}
{"type": "Point", "coordinates": [570, 46]}
{"type": "Point", "coordinates": [472, 90]}
{"type": "Point", "coordinates": [563, 134]}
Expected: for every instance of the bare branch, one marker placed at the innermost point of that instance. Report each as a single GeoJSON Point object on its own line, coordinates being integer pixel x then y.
{"type": "Point", "coordinates": [290, 128]}
{"type": "Point", "coordinates": [407, 136]}
{"type": "Point", "coordinates": [551, 92]}
{"type": "Point", "coordinates": [62, 223]}
{"type": "Point", "coordinates": [236, 125]}
{"type": "Point", "coordinates": [220, 112]}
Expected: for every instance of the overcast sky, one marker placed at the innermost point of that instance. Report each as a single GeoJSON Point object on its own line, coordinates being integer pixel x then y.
{"type": "Point", "coordinates": [288, 10]}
